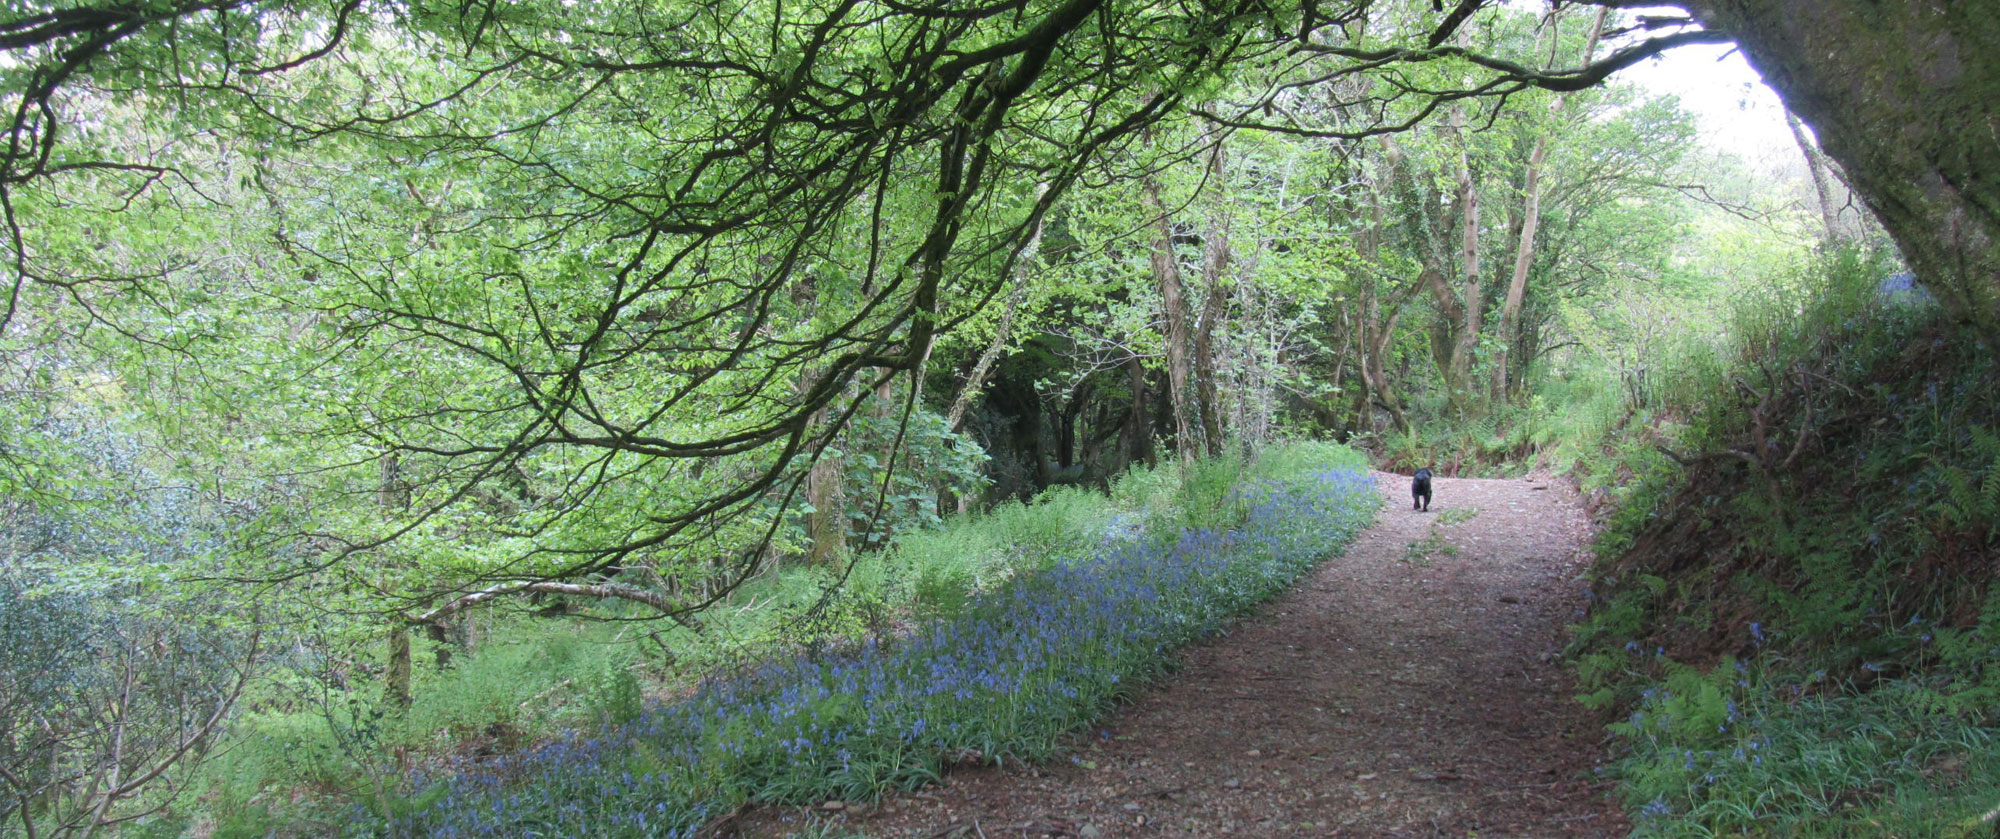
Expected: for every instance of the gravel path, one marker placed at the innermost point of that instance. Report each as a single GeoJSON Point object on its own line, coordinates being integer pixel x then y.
{"type": "Point", "coordinates": [1405, 689]}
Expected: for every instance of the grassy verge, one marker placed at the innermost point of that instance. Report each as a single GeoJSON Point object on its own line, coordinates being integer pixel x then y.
{"type": "Point", "coordinates": [1762, 751]}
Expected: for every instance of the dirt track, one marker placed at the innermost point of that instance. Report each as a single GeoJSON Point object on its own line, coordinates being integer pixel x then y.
{"type": "Point", "coordinates": [1406, 689]}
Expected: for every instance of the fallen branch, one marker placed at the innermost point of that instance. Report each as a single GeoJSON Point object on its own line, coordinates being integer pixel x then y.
{"type": "Point", "coordinates": [608, 591]}
{"type": "Point", "coordinates": [715, 828]}
{"type": "Point", "coordinates": [532, 699]}
{"type": "Point", "coordinates": [1692, 459]}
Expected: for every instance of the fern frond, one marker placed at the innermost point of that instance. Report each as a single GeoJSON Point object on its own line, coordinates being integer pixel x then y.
{"type": "Point", "coordinates": [1962, 501]}
{"type": "Point", "coordinates": [1986, 444]}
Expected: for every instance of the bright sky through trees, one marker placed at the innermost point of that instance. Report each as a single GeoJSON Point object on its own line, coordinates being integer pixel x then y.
{"type": "Point", "coordinates": [1737, 112]}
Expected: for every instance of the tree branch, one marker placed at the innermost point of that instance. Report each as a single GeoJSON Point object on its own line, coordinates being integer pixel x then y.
{"type": "Point", "coordinates": [1586, 76]}
{"type": "Point", "coordinates": [602, 591]}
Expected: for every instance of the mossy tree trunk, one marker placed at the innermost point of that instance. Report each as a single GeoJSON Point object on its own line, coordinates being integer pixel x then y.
{"type": "Point", "coordinates": [1906, 97]}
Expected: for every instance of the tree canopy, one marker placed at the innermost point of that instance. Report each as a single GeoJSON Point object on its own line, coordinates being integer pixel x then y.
{"type": "Point", "coordinates": [601, 276]}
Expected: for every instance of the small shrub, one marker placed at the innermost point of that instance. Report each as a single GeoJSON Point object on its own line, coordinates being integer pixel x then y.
{"type": "Point", "coordinates": [941, 592]}
{"type": "Point", "coordinates": [616, 698]}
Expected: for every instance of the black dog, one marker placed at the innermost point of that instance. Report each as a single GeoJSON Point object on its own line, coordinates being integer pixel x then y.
{"type": "Point", "coordinates": [1420, 491]}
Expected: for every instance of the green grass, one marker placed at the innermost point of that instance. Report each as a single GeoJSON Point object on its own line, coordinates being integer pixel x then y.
{"type": "Point", "coordinates": [1767, 755]}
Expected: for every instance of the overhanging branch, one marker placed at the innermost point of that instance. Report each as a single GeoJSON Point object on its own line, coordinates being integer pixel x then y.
{"type": "Point", "coordinates": [602, 591]}
{"type": "Point", "coordinates": [1561, 80]}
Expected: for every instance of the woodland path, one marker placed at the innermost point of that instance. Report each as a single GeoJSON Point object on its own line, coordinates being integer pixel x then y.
{"type": "Point", "coordinates": [1405, 689]}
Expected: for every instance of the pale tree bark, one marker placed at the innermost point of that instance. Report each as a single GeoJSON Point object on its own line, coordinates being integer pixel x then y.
{"type": "Point", "coordinates": [1905, 96]}
{"type": "Point", "coordinates": [1828, 216]}
{"type": "Point", "coordinates": [456, 612]}
{"type": "Point", "coordinates": [1003, 331]}
{"type": "Point", "coordinates": [392, 493]}
{"type": "Point", "coordinates": [1531, 217]}
{"type": "Point", "coordinates": [1524, 261]}
{"type": "Point", "coordinates": [1215, 305]}
{"type": "Point", "coordinates": [917, 376]}
{"type": "Point", "coordinates": [602, 591]}
{"type": "Point", "coordinates": [1253, 374]}
{"type": "Point", "coordinates": [1167, 273]}
{"type": "Point", "coordinates": [976, 380]}
{"type": "Point", "coordinates": [954, 417]}
{"type": "Point", "coordinates": [1458, 374]}
{"type": "Point", "coordinates": [1470, 308]}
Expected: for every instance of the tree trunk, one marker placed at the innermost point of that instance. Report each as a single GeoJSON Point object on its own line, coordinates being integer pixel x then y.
{"type": "Point", "coordinates": [1451, 342]}
{"type": "Point", "coordinates": [1136, 440]}
{"type": "Point", "coordinates": [397, 681]}
{"type": "Point", "coordinates": [1460, 377]}
{"type": "Point", "coordinates": [1378, 330]}
{"type": "Point", "coordinates": [826, 521]}
{"type": "Point", "coordinates": [1828, 216]}
{"type": "Point", "coordinates": [1470, 298]}
{"type": "Point", "coordinates": [442, 643]}
{"type": "Point", "coordinates": [1066, 418]}
{"type": "Point", "coordinates": [392, 494]}
{"type": "Point", "coordinates": [1524, 259]}
{"type": "Point", "coordinates": [1256, 355]}
{"type": "Point", "coordinates": [976, 380]}
{"type": "Point", "coordinates": [826, 525]}
{"type": "Point", "coordinates": [1374, 378]}
{"type": "Point", "coordinates": [1030, 435]}
{"type": "Point", "coordinates": [1167, 273]}
{"type": "Point", "coordinates": [1375, 323]}
{"type": "Point", "coordinates": [1215, 276]}
{"type": "Point", "coordinates": [1524, 250]}
{"type": "Point", "coordinates": [1905, 96]}
{"type": "Point", "coordinates": [1104, 427]}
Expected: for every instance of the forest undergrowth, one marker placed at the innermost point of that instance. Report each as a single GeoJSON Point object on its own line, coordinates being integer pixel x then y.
{"type": "Point", "coordinates": [1794, 628]}
{"type": "Point", "coordinates": [982, 641]}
